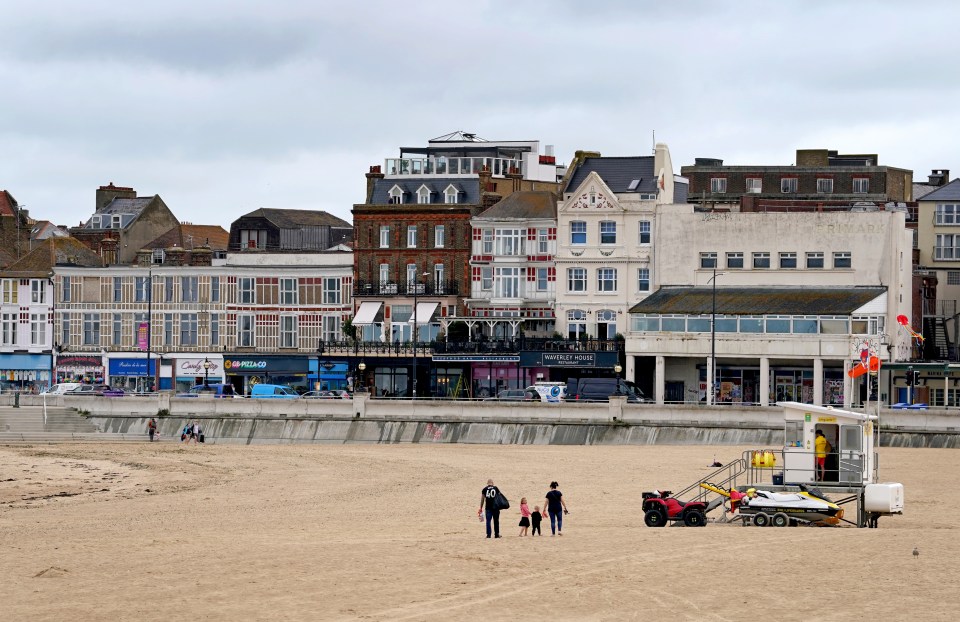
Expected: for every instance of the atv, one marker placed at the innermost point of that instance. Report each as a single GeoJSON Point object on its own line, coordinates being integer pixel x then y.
{"type": "Point", "coordinates": [659, 508]}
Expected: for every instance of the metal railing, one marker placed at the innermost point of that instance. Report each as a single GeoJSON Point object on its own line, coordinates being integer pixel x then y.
{"type": "Point", "coordinates": [378, 288]}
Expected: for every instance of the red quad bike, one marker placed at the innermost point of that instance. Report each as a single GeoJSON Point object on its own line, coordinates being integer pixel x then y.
{"type": "Point", "coordinates": [659, 508]}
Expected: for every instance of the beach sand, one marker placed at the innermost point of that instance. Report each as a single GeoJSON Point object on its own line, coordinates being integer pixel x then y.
{"type": "Point", "coordinates": [390, 532]}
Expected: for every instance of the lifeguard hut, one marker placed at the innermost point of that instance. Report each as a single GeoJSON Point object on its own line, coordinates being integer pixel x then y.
{"type": "Point", "coordinates": [851, 460]}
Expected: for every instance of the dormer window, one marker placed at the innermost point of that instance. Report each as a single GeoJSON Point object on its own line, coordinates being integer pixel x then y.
{"type": "Point", "coordinates": [451, 194]}
{"type": "Point", "coordinates": [423, 195]}
{"type": "Point", "coordinates": [95, 222]}
{"type": "Point", "coordinates": [158, 255]}
{"type": "Point", "coordinates": [115, 222]}
{"type": "Point", "coordinates": [396, 195]}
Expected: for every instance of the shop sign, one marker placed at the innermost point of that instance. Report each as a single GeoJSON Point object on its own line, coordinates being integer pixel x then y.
{"type": "Point", "coordinates": [194, 367]}
{"type": "Point", "coordinates": [264, 364]}
{"type": "Point", "coordinates": [569, 359]}
{"type": "Point", "coordinates": [143, 333]}
{"type": "Point", "coordinates": [77, 360]}
{"type": "Point", "coordinates": [476, 358]}
{"type": "Point", "coordinates": [131, 367]}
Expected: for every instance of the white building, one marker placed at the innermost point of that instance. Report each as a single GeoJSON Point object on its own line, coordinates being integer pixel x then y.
{"type": "Point", "coordinates": [606, 253]}
{"type": "Point", "coordinates": [798, 297]}
{"type": "Point", "coordinates": [513, 275]}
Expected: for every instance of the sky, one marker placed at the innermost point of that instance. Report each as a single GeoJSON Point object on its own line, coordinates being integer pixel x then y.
{"type": "Point", "coordinates": [223, 107]}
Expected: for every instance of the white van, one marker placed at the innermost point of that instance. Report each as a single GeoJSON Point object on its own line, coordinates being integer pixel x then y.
{"type": "Point", "coordinates": [60, 389]}
{"type": "Point", "coordinates": [550, 391]}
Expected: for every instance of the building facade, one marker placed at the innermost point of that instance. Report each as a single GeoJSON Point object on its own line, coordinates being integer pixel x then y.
{"type": "Point", "coordinates": [784, 304]}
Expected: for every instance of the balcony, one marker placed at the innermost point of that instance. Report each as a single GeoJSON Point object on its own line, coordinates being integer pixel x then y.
{"type": "Point", "coordinates": [436, 166]}
{"type": "Point", "coordinates": [377, 288]}
{"type": "Point", "coordinates": [491, 346]}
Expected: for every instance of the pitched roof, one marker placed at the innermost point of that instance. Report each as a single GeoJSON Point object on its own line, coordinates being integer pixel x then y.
{"type": "Point", "coordinates": [469, 188]}
{"type": "Point", "coordinates": [947, 192]}
{"type": "Point", "coordinates": [758, 300]}
{"type": "Point", "coordinates": [527, 204]}
{"type": "Point", "coordinates": [618, 174]}
{"type": "Point", "coordinates": [189, 236]}
{"type": "Point", "coordinates": [7, 203]}
{"type": "Point", "coordinates": [294, 218]}
{"type": "Point", "coordinates": [52, 252]}
{"type": "Point", "coordinates": [126, 206]}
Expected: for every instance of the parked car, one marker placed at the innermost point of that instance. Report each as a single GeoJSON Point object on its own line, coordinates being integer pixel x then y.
{"type": "Point", "coordinates": [273, 391]}
{"type": "Point", "coordinates": [103, 390]}
{"type": "Point", "coordinates": [554, 392]}
{"type": "Point", "coordinates": [325, 395]}
{"type": "Point", "coordinates": [514, 395]}
{"type": "Point", "coordinates": [60, 388]}
{"type": "Point", "coordinates": [600, 390]}
{"type": "Point", "coordinates": [211, 390]}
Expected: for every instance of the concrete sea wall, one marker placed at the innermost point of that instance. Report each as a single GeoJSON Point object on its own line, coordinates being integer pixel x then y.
{"type": "Point", "coordinates": [365, 420]}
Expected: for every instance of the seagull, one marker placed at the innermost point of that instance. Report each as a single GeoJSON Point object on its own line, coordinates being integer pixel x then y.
{"type": "Point", "coordinates": [916, 552]}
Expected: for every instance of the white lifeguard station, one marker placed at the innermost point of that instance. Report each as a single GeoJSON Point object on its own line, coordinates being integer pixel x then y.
{"type": "Point", "coordinates": [852, 459]}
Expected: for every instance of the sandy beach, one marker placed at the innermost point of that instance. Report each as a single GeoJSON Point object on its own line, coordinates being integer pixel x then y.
{"type": "Point", "coordinates": [169, 532]}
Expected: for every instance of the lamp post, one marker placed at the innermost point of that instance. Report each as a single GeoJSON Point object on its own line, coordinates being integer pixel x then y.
{"type": "Point", "coordinates": [206, 373]}
{"type": "Point", "coordinates": [362, 367]}
{"type": "Point", "coordinates": [617, 368]}
{"type": "Point", "coordinates": [712, 376]}
{"type": "Point", "coordinates": [316, 387]}
{"type": "Point", "coordinates": [416, 321]}
{"type": "Point", "coordinates": [149, 323]}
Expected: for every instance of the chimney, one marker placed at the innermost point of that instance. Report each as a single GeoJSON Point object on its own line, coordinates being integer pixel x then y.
{"type": "Point", "coordinates": [372, 178]}
{"type": "Point", "coordinates": [485, 176]}
{"type": "Point", "coordinates": [108, 193]}
{"type": "Point", "coordinates": [201, 256]}
{"type": "Point", "coordinates": [174, 256]}
{"type": "Point", "coordinates": [108, 250]}
{"type": "Point", "coordinates": [938, 177]}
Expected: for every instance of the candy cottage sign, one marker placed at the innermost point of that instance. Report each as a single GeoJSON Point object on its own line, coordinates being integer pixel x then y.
{"type": "Point", "coordinates": [192, 368]}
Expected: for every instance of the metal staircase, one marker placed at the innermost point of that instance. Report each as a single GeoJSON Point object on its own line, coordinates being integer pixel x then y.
{"type": "Point", "coordinates": [936, 345]}
{"type": "Point", "coordinates": [726, 477]}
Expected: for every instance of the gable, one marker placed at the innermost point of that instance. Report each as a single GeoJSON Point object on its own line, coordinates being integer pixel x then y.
{"type": "Point", "coordinates": [593, 195]}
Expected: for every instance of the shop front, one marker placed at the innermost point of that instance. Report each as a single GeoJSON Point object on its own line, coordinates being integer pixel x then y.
{"type": "Point", "coordinates": [131, 374]}
{"type": "Point", "coordinates": [475, 375]}
{"type": "Point", "coordinates": [244, 371]}
{"type": "Point", "coordinates": [330, 375]}
{"type": "Point", "coordinates": [193, 370]}
{"type": "Point", "coordinates": [85, 368]}
{"type": "Point", "coordinates": [558, 366]}
{"type": "Point", "coordinates": [24, 372]}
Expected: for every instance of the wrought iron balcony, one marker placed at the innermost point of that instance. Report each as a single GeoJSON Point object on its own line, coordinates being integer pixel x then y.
{"type": "Point", "coordinates": [378, 288]}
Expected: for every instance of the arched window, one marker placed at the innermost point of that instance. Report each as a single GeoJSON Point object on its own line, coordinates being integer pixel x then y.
{"type": "Point", "coordinates": [451, 194]}
{"type": "Point", "coordinates": [576, 323]}
{"type": "Point", "coordinates": [423, 195]}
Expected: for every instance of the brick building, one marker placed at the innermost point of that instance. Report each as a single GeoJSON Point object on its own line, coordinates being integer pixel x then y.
{"type": "Point", "coordinates": [820, 179]}
{"type": "Point", "coordinates": [412, 242]}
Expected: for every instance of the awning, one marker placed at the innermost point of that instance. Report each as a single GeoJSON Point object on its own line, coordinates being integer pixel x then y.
{"type": "Point", "coordinates": [425, 311]}
{"type": "Point", "coordinates": [368, 313]}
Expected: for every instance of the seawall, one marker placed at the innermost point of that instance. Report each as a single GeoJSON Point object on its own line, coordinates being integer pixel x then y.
{"type": "Point", "coordinates": [365, 420]}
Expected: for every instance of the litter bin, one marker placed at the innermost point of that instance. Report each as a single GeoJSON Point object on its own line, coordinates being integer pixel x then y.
{"type": "Point", "coordinates": [778, 479]}
{"type": "Point", "coordinates": [16, 399]}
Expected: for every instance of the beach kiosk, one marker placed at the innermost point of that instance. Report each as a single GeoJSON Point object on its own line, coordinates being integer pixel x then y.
{"type": "Point", "coordinates": [851, 460]}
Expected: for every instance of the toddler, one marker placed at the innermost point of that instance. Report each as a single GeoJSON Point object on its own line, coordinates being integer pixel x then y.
{"type": "Point", "coordinates": [524, 516]}
{"type": "Point", "coordinates": [535, 520]}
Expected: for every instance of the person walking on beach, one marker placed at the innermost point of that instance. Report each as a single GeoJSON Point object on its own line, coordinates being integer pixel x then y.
{"type": "Point", "coordinates": [185, 433]}
{"type": "Point", "coordinates": [488, 497]}
{"type": "Point", "coordinates": [152, 428]}
{"type": "Point", "coordinates": [535, 521]}
{"type": "Point", "coordinates": [556, 507]}
{"type": "Point", "coordinates": [524, 516]}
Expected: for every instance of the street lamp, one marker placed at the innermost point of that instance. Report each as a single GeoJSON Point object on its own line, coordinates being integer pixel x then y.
{"type": "Point", "coordinates": [206, 373]}
{"type": "Point", "coordinates": [416, 321]}
{"type": "Point", "coordinates": [712, 376]}
{"type": "Point", "coordinates": [362, 367]}
{"type": "Point", "coordinates": [617, 368]}
{"type": "Point", "coordinates": [316, 387]}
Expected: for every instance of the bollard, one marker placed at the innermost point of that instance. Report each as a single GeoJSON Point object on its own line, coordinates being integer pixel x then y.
{"type": "Point", "coordinates": [16, 399]}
